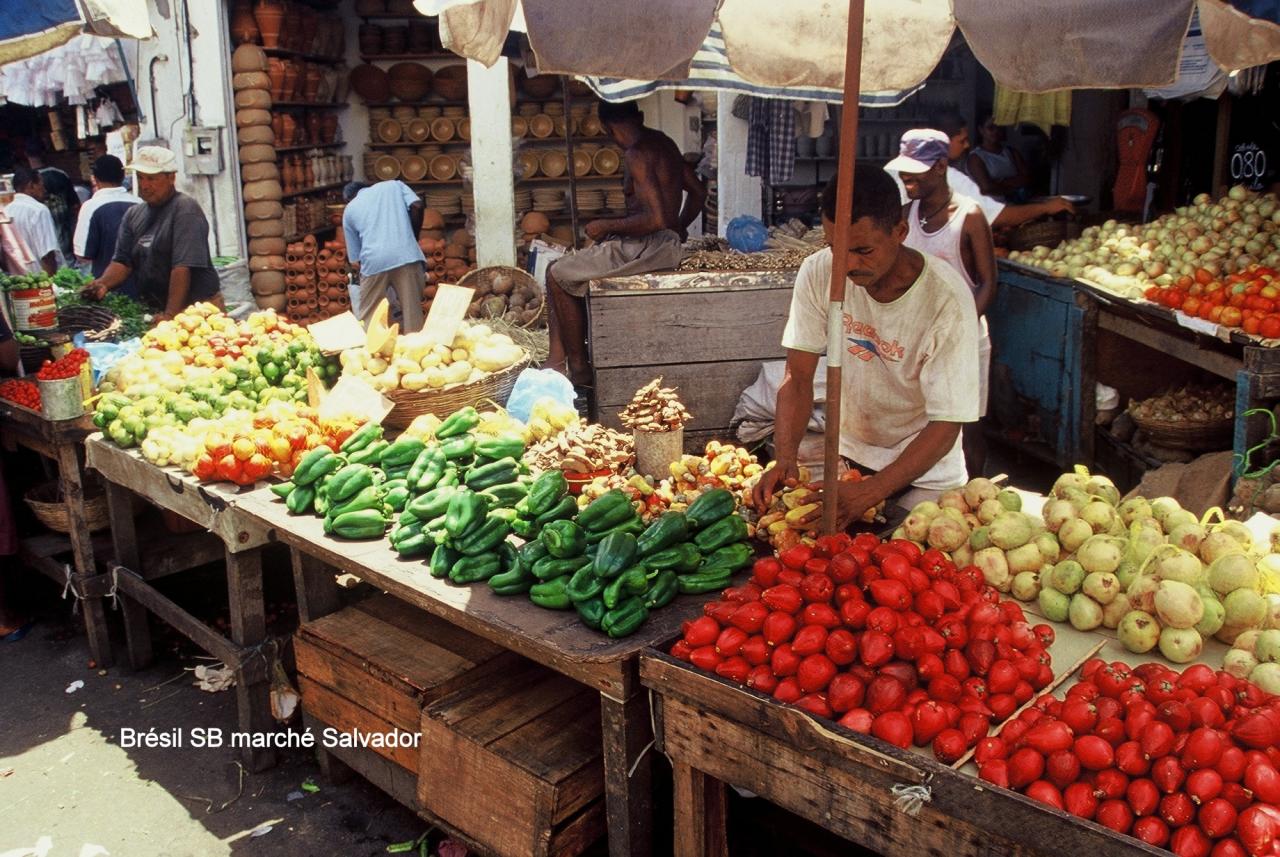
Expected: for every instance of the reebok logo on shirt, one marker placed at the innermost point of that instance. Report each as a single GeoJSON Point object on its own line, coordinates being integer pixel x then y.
{"type": "Point", "coordinates": [866, 344]}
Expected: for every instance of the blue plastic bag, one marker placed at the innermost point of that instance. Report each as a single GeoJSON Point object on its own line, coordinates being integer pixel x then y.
{"type": "Point", "coordinates": [535, 384]}
{"type": "Point", "coordinates": [747, 234]}
{"type": "Point", "coordinates": [104, 355]}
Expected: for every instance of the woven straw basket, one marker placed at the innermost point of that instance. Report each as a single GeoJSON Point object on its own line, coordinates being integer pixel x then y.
{"type": "Point", "coordinates": [48, 506]}
{"type": "Point", "coordinates": [409, 405]}
{"type": "Point", "coordinates": [1194, 437]}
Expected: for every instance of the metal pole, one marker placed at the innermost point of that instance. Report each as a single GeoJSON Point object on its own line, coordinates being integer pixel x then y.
{"type": "Point", "coordinates": [839, 262]}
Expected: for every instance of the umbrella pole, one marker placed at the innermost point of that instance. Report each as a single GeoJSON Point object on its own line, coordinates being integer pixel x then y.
{"type": "Point", "coordinates": [840, 255]}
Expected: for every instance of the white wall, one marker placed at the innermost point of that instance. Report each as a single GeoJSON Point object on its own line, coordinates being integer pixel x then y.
{"type": "Point", "coordinates": [739, 193]}
{"type": "Point", "coordinates": [168, 66]}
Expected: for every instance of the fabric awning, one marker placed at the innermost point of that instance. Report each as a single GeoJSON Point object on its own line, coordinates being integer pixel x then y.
{"type": "Point", "coordinates": [31, 27]}
{"type": "Point", "coordinates": [1027, 45]}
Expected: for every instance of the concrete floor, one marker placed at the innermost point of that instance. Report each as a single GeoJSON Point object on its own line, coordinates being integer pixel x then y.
{"type": "Point", "coordinates": [69, 789]}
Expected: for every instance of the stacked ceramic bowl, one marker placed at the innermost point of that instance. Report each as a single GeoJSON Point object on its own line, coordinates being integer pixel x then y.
{"type": "Point", "coordinates": [589, 200]}
{"type": "Point", "coordinates": [523, 200]}
{"type": "Point", "coordinates": [615, 200]}
{"type": "Point", "coordinates": [548, 199]}
{"type": "Point", "coordinates": [447, 202]}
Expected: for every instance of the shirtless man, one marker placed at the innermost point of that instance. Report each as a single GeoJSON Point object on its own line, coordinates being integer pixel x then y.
{"type": "Point", "coordinates": [647, 239]}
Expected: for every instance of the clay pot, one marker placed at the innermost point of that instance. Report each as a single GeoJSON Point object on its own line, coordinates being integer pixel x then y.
{"type": "Point", "coordinates": [290, 82]}
{"type": "Point", "coordinates": [275, 70]}
{"type": "Point", "coordinates": [370, 38]}
{"type": "Point", "coordinates": [269, 16]}
{"type": "Point", "coordinates": [244, 29]}
{"type": "Point", "coordinates": [329, 128]}
{"type": "Point", "coordinates": [288, 129]}
{"type": "Point", "coordinates": [309, 26]}
{"type": "Point", "coordinates": [314, 121]}
{"type": "Point", "coordinates": [311, 86]}
{"type": "Point", "coordinates": [277, 127]}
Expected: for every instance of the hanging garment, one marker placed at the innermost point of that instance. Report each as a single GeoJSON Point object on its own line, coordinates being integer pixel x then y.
{"type": "Point", "coordinates": [1043, 110]}
{"type": "Point", "coordinates": [771, 139]}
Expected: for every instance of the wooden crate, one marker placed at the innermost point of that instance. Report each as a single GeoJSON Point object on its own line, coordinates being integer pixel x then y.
{"type": "Point", "coordinates": [515, 763]}
{"type": "Point", "coordinates": [706, 333]}
{"type": "Point", "coordinates": [374, 665]}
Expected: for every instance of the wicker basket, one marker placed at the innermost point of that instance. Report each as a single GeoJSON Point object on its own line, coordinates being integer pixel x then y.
{"type": "Point", "coordinates": [1194, 437]}
{"type": "Point", "coordinates": [1049, 233]}
{"type": "Point", "coordinates": [410, 405]}
{"type": "Point", "coordinates": [473, 279]}
{"type": "Point", "coordinates": [48, 506]}
{"type": "Point", "coordinates": [98, 324]}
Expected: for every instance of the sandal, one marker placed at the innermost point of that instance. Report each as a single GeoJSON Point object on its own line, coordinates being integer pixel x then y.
{"type": "Point", "coordinates": [20, 632]}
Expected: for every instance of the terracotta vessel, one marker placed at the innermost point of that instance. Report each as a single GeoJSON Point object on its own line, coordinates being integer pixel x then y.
{"type": "Point", "coordinates": [244, 29]}
{"type": "Point", "coordinates": [329, 128]}
{"type": "Point", "coordinates": [290, 82]}
{"type": "Point", "coordinates": [269, 16]}
{"type": "Point", "coordinates": [275, 70]}
{"type": "Point", "coordinates": [311, 86]}
{"type": "Point", "coordinates": [314, 121]}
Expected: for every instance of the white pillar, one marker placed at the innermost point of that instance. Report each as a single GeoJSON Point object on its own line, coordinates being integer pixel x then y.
{"type": "Point", "coordinates": [488, 90]}
{"type": "Point", "coordinates": [738, 193]}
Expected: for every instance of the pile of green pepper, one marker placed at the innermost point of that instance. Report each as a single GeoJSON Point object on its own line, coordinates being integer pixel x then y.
{"type": "Point", "coordinates": [613, 570]}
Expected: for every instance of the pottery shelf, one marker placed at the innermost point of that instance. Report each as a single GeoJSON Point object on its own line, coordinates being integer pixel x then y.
{"type": "Point", "coordinates": [553, 140]}
{"type": "Point", "coordinates": [616, 177]}
{"type": "Point", "coordinates": [309, 146]}
{"type": "Point", "coordinates": [409, 144]}
{"type": "Point", "coordinates": [394, 16]}
{"type": "Point", "coordinates": [301, 55]}
{"type": "Point", "coordinates": [428, 102]}
{"type": "Point", "coordinates": [312, 190]}
{"type": "Point", "coordinates": [310, 105]}
{"type": "Point", "coordinates": [442, 55]}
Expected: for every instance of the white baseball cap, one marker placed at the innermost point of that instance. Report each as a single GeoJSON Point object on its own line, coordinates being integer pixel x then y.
{"type": "Point", "coordinates": [152, 160]}
{"type": "Point", "coordinates": [919, 150]}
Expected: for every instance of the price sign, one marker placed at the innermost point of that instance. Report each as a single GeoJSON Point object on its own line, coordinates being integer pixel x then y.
{"type": "Point", "coordinates": [1248, 165]}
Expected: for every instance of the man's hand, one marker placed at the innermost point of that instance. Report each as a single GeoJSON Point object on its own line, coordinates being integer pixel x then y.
{"type": "Point", "coordinates": [852, 500]}
{"type": "Point", "coordinates": [596, 229]}
{"type": "Point", "coordinates": [95, 291]}
{"type": "Point", "coordinates": [1057, 205]}
{"type": "Point", "coordinates": [786, 474]}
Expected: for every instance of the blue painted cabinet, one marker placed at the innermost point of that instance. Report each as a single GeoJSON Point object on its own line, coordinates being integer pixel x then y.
{"type": "Point", "coordinates": [1037, 366]}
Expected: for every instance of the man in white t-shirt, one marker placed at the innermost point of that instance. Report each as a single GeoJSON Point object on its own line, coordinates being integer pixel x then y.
{"type": "Point", "coordinates": [911, 364]}
{"type": "Point", "coordinates": [33, 223]}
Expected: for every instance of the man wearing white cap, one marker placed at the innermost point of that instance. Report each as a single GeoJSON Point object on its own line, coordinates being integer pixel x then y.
{"type": "Point", "coordinates": [164, 244]}
{"type": "Point", "coordinates": [952, 227]}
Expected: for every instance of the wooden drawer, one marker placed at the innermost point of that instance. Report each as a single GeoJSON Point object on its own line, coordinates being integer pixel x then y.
{"type": "Point", "coordinates": [374, 665]}
{"type": "Point", "coordinates": [515, 763]}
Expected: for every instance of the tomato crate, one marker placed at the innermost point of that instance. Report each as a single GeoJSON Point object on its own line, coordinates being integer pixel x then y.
{"type": "Point", "coordinates": [375, 665]}
{"type": "Point", "coordinates": [515, 763]}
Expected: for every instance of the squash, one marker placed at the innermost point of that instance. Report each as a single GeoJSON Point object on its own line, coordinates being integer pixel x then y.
{"type": "Point", "coordinates": [255, 134]}
{"type": "Point", "coordinates": [266, 210]}
{"type": "Point", "coordinates": [257, 153]}
{"type": "Point", "coordinates": [259, 99]}
{"type": "Point", "coordinates": [252, 116]}
{"type": "Point", "coordinates": [265, 190]}
{"type": "Point", "coordinates": [251, 80]}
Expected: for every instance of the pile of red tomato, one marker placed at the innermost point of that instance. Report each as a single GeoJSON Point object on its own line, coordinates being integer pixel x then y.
{"type": "Point", "coordinates": [1249, 300]}
{"type": "Point", "coordinates": [1187, 761]}
{"type": "Point", "coordinates": [67, 366]}
{"type": "Point", "coordinates": [25, 393]}
{"type": "Point", "coordinates": [885, 638]}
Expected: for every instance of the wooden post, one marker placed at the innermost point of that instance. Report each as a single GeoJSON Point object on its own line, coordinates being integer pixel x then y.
{"type": "Point", "coordinates": [248, 629]}
{"type": "Point", "coordinates": [124, 540]}
{"type": "Point", "coordinates": [313, 579]}
{"type": "Point", "coordinates": [1221, 147]}
{"type": "Point", "coordinates": [701, 814]}
{"type": "Point", "coordinates": [839, 259]}
{"type": "Point", "coordinates": [95, 617]}
{"type": "Point", "coordinates": [628, 792]}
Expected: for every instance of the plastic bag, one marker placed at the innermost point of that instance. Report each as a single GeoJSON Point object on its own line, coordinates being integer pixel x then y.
{"type": "Point", "coordinates": [104, 355]}
{"type": "Point", "coordinates": [535, 384]}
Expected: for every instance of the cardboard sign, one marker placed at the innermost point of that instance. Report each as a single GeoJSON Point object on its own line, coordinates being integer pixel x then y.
{"type": "Point", "coordinates": [352, 396]}
{"type": "Point", "coordinates": [337, 334]}
{"type": "Point", "coordinates": [448, 308]}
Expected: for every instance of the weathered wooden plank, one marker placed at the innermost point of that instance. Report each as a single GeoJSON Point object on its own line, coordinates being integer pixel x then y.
{"type": "Point", "coordinates": [701, 813]}
{"type": "Point", "coordinates": [843, 782]}
{"type": "Point", "coordinates": [709, 391]}
{"type": "Point", "coordinates": [124, 538]}
{"type": "Point", "coordinates": [130, 586]}
{"type": "Point", "coordinates": [627, 329]}
{"type": "Point", "coordinates": [315, 584]}
{"type": "Point", "coordinates": [1223, 365]}
{"type": "Point", "coordinates": [704, 281]}
{"type": "Point", "coordinates": [343, 714]}
{"type": "Point", "coordinates": [212, 506]}
{"type": "Point", "coordinates": [628, 773]}
{"type": "Point", "coordinates": [580, 832]}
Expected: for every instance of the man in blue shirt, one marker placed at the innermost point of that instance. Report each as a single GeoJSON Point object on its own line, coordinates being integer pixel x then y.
{"type": "Point", "coordinates": [100, 217]}
{"type": "Point", "coordinates": [381, 224]}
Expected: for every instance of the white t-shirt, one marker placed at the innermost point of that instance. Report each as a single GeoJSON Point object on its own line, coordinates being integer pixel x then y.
{"type": "Point", "coordinates": [33, 222]}
{"type": "Point", "coordinates": [908, 362]}
{"type": "Point", "coordinates": [100, 198]}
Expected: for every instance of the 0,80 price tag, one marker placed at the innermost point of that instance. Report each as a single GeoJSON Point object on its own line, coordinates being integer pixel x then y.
{"type": "Point", "coordinates": [1248, 165]}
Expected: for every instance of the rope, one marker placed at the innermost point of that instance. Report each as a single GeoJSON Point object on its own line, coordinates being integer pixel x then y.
{"type": "Point", "coordinates": [1241, 462]}
{"type": "Point", "coordinates": [115, 583]}
{"type": "Point", "coordinates": [910, 799]}
{"type": "Point", "coordinates": [69, 586]}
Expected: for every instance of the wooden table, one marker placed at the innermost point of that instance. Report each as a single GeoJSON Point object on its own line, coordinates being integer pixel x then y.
{"type": "Point", "coordinates": [237, 539]}
{"type": "Point", "coordinates": [717, 732]}
{"type": "Point", "coordinates": [61, 441]}
{"type": "Point", "coordinates": [555, 639]}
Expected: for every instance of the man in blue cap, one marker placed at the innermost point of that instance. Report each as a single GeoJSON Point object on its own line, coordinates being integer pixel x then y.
{"type": "Point", "coordinates": [952, 227]}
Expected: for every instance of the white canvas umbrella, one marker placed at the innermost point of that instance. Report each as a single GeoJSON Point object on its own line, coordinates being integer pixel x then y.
{"type": "Point", "coordinates": [861, 45]}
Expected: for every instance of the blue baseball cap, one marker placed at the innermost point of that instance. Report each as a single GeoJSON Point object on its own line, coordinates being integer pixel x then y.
{"type": "Point", "coordinates": [919, 150]}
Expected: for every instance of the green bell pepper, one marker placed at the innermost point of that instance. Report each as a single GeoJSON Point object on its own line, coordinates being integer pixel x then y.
{"type": "Point", "coordinates": [564, 509]}
{"type": "Point", "coordinates": [615, 553]}
{"type": "Point", "coordinates": [697, 584]}
{"type": "Point", "coordinates": [563, 539]}
{"type": "Point", "coordinates": [550, 567]}
{"type": "Point", "coordinates": [670, 529]}
{"type": "Point", "coordinates": [709, 507]}
{"type": "Point", "coordinates": [683, 557]}
{"type": "Point", "coordinates": [584, 584]}
{"type": "Point", "coordinates": [726, 531]}
{"type": "Point", "coordinates": [459, 422]}
{"type": "Point", "coordinates": [442, 560]}
{"type": "Point", "coordinates": [466, 512]}
{"type": "Point", "coordinates": [606, 511]}
{"type": "Point", "coordinates": [472, 569]}
{"type": "Point", "coordinates": [545, 492]}
{"type": "Point", "coordinates": [484, 538]}
{"type": "Point", "coordinates": [633, 581]}
{"type": "Point", "coordinates": [662, 590]}
{"type": "Point", "coordinates": [591, 612]}
{"type": "Point", "coordinates": [552, 594]}
{"type": "Point", "coordinates": [626, 618]}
